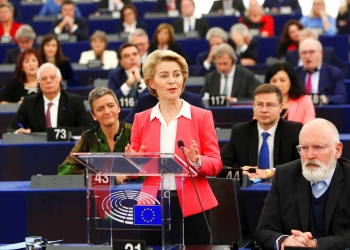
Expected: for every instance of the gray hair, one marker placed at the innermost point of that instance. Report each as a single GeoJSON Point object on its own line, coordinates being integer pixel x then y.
{"type": "Point", "coordinates": [99, 34]}
{"type": "Point", "coordinates": [8, 5]}
{"type": "Point", "coordinates": [308, 40]}
{"type": "Point", "coordinates": [99, 92]}
{"type": "Point", "coordinates": [25, 31]}
{"type": "Point", "coordinates": [137, 32]}
{"type": "Point", "coordinates": [225, 49]}
{"type": "Point", "coordinates": [242, 29]}
{"type": "Point", "coordinates": [307, 32]}
{"type": "Point", "coordinates": [45, 66]}
{"type": "Point", "coordinates": [216, 32]}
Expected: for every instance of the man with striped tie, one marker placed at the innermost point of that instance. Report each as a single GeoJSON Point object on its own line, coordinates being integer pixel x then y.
{"type": "Point", "coordinates": [266, 141]}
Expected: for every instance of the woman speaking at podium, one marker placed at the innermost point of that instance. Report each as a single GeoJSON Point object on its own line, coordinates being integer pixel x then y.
{"type": "Point", "coordinates": [111, 135]}
{"type": "Point", "coordinates": [160, 128]}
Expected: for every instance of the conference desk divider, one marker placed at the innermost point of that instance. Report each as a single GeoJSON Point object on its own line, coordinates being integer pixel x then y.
{"type": "Point", "coordinates": [148, 214]}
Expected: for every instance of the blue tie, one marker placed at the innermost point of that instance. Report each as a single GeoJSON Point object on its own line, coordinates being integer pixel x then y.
{"type": "Point", "coordinates": [189, 24]}
{"type": "Point", "coordinates": [264, 156]}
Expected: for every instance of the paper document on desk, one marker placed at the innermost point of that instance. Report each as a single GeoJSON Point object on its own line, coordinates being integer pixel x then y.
{"type": "Point", "coordinates": [14, 246]}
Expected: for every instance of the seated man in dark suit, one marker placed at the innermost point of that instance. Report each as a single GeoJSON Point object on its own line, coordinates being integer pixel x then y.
{"type": "Point", "coordinates": [146, 101]}
{"type": "Point", "coordinates": [52, 107]}
{"type": "Point", "coordinates": [227, 6]}
{"type": "Point", "coordinates": [265, 142]}
{"type": "Point", "coordinates": [308, 203]}
{"type": "Point", "coordinates": [69, 23]}
{"type": "Point", "coordinates": [282, 6]}
{"type": "Point", "coordinates": [229, 79]}
{"type": "Point", "coordinates": [328, 57]}
{"type": "Point", "coordinates": [127, 79]}
{"type": "Point", "coordinates": [205, 60]}
{"type": "Point", "coordinates": [188, 22]}
{"type": "Point", "coordinates": [25, 37]}
{"type": "Point", "coordinates": [320, 78]}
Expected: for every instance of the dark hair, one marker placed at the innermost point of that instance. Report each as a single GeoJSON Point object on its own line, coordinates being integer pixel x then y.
{"type": "Point", "coordinates": [297, 89]}
{"type": "Point", "coordinates": [124, 46]}
{"type": "Point", "coordinates": [285, 40]}
{"type": "Point", "coordinates": [19, 73]}
{"type": "Point", "coordinates": [59, 57]}
{"type": "Point", "coordinates": [68, 2]}
{"type": "Point", "coordinates": [125, 7]}
{"type": "Point", "coordinates": [267, 89]}
{"type": "Point", "coordinates": [170, 29]}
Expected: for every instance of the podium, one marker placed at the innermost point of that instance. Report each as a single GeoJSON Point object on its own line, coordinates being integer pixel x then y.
{"type": "Point", "coordinates": [118, 211]}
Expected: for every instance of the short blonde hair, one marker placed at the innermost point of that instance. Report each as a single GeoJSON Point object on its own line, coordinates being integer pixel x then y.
{"type": "Point", "coordinates": [312, 14]}
{"type": "Point", "coordinates": [153, 60]}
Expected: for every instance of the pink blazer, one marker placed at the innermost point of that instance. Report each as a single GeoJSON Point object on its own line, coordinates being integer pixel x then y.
{"type": "Point", "coordinates": [201, 129]}
{"type": "Point", "coordinates": [301, 110]}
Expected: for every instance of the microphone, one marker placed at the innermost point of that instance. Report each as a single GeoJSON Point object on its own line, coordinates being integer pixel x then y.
{"type": "Point", "coordinates": [181, 146]}
{"type": "Point", "coordinates": [250, 170]}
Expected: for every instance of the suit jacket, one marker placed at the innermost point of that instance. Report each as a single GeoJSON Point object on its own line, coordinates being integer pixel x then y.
{"type": "Point", "coordinates": [201, 26]}
{"type": "Point", "coordinates": [81, 32]}
{"type": "Point", "coordinates": [174, 47]}
{"type": "Point", "coordinates": [243, 86]}
{"type": "Point", "coordinates": [294, 4]}
{"type": "Point", "coordinates": [11, 55]}
{"type": "Point", "coordinates": [200, 69]}
{"type": "Point", "coordinates": [71, 114]}
{"type": "Point", "coordinates": [110, 59]}
{"type": "Point", "coordinates": [116, 78]}
{"type": "Point", "coordinates": [68, 74]}
{"type": "Point", "coordinates": [329, 57]}
{"type": "Point", "coordinates": [139, 25]}
{"type": "Point", "coordinates": [242, 148]}
{"type": "Point", "coordinates": [236, 4]}
{"type": "Point", "coordinates": [252, 51]}
{"type": "Point", "coordinates": [199, 128]}
{"type": "Point", "coordinates": [146, 101]}
{"type": "Point", "coordinates": [301, 109]}
{"type": "Point", "coordinates": [331, 83]}
{"type": "Point", "coordinates": [287, 207]}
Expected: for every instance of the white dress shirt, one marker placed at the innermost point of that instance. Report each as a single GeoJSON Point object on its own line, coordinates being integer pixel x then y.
{"type": "Point", "coordinates": [53, 109]}
{"type": "Point", "coordinates": [129, 28]}
{"type": "Point", "coordinates": [270, 141]}
{"type": "Point", "coordinates": [58, 31]}
{"type": "Point", "coordinates": [188, 20]}
{"type": "Point", "coordinates": [229, 81]}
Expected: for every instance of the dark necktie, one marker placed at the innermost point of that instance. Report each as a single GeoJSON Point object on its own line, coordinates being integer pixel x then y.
{"type": "Point", "coordinates": [264, 156]}
{"type": "Point", "coordinates": [224, 91]}
{"type": "Point", "coordinates": [48, 115]}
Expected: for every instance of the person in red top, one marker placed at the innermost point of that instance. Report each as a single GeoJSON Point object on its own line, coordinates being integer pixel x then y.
{"type": "Point", "coordinates": [290, 37]}
{"type": "Point", "coordinates": [258, 23]}
{"type": "Point", "coordinates": [8, 27]}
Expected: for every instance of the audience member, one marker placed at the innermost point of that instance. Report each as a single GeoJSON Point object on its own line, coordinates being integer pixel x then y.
{"type": "Point", "coordinates": [246, 49]}
{"type": "Point", "coordinates": [104, 108]}
{"type": "Point", "coordinates": [25, 37]}
{"type": "Point", "coordinates": [167, 5]}
{"type": "Point", "coordinates": [258, 23]}
{"type": "Point", "coordinates": [297, 106]}
{"type": "Point", "coordinates": [53, 8]}
{"type": "Point", "coordinates": [24, 81]}
{"type": "Point", "coordinates": [329, 56]}
{"type": "Point", "coordinates": [319, 20]}
{"type": "Point", "coordinates": [17, 13]}
{"type": "Point", "coordinates": [164, 39]}
{"type": "Point", "coordinates": [111, 5]}
{"type": "Point", "coordinates": [343, 19]}
{"type": "Point", "coordinates": [70, 24]}
{"type": "Point", "coordinates": [265, 142]}
{"type": "Point", "coordinates": [188, 22]}
{"type": "Point", "coordinates": [282, 6]}
{"type": "Point", "coordinates": [289, 40]}
{"type": "Point", "coordinates": [320, 78]}
{"type": "Point", "coordinates": [309, 198]}
{"type": "Point", "coordinates": [52, 107]}
{"type": "Point", "coordinates": [98, 43]}
{"type": "Point", "coordinates": [128, 20]}
{"type": "Point", "coordinates": [146, 101]}
{"type": "Point", "coordinates": [50, 51]}
{"type": "Point", "coordinates": [228, 6]}
{"type": "Point", "coordinates": [8, 26]}
{"type": "Point", "coordinates": [127, 80]}
{"type": "Point", "coordinates": [205, 60]}
{"type": "Point", "coordinates": [140, 38]}
{"type": "Point", "coordinates": [234, 81]}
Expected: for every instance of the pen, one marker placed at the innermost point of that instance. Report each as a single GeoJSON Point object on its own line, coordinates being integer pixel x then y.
{"type": "Point", "coordinates": [20, 125]}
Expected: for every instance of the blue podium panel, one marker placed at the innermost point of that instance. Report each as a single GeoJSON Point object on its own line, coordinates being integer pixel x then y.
{"type": "Point", "coordinates": [106, 25]}
{"type": "Point", "coordinates": [41, 27]}
{"type": "Point", "coordinates": [340, 44]}
{"type": "Point", "coordinates": [280, 21]}
{"type": "Point", "coordinates": [3, 49]}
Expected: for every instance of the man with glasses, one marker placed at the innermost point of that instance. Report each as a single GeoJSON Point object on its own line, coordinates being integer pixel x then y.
{"type": "Point", "coordinates": [52, 107]}
{"type": "Point", "coordinates": [308, 204]}
{"type": "Point", "coordinates": [320, 78]}
{"type": "Point", "coordinates": [265, 142]}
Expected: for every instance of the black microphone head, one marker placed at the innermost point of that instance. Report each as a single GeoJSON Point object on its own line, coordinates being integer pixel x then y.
{"type": "Point", "coordinates": [180, 144]}
{"type": "Point", "coordinates": [71, 139]}
{"type": "Point", "coordinates": [252, 170]}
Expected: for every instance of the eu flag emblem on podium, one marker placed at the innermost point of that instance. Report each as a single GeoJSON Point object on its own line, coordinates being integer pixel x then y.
{"type": "Point", "coordinates": [148, 215]}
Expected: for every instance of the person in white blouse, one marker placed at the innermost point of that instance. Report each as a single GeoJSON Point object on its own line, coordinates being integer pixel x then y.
{"type": "Point", "coordinates": [98, 43]}
{"type": "Point", "coordinates": [128, 20]}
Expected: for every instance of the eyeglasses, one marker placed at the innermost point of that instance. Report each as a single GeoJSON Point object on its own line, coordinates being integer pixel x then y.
{"type": "Point", "coordinates": [316, 149]}
{"type": "Point", "coordinates": [311, 52]}
{"type": "Point", "coordinates": [269, 106]}
{"type": "Point", "coordinates": [45, 78]}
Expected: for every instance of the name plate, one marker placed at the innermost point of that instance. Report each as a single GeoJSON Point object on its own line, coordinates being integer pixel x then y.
{"type": "Point", "coordinates": [192, 34]}
{"type": "Point", "coordinates": [57, 134]}
{"type": "Point", "coordinates": [285, 10]}
{"type": "Point", "coordinates": [6, 39]}
{"type": "Point", "coordinates": [217, 100]}
{"type": "Point", "coordinates": [123, 36]}
{"type": "Point", "coordinates": [173, 13]}
{"type": "Point", "coordinates": [129, 245]}
{"type": "Point", "coordinates": [115, 15]}
{"type": "Point", "coordinates": [316, 99]}
{"type": "Point", "coordinates": [63, 37]}
{"type": "Point", "coordinates": [254, 32]}
{"type": "Point", "coordinates": [318, 31]}
{"type": "Point", "coordinates": [127, 102]}
{"type": "Point", "coordinates": [95, 64]}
